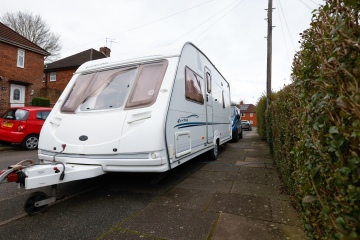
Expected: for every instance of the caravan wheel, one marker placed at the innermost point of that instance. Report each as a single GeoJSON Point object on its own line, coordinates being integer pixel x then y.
{"type": "Point", "coordinates": [29, 205]}
{"type": "Point", "coordinates": [213, 153]}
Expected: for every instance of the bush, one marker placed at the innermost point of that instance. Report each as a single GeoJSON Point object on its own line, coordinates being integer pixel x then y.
{"type": "Point", "coordinates": [260, 116]}
{"type": "Point", "coordinates": [40, 102]}
{"type": "Point", "coordinates": [313, 124]}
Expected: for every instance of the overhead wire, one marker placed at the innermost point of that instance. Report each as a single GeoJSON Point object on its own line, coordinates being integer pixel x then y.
{"type": "Point", "coordinates": [146, 24]}
{"type": "Point", "coordinates": [209, 20]}
{"type": "Point", "coordinates": [158, 20]}
{"type": "Point", "coordinates": [282, 30]}
{"type": "Point", "coordinates": [286, 24]}
{"type": "Point", "coordinates": [218, 20]}
{"type": "Point", "coordinates": [315, 3]}
{"type": "Point", "coordinates": [305, 4]}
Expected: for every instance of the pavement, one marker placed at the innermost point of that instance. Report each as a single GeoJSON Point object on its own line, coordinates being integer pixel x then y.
{"type": "Point", "coordinates": [239, 196]}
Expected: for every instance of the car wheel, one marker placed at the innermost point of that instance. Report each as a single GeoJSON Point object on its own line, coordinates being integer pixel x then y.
{"type": "Point", "coordinates": [30, 142]}
{"type": "Point", "coordinates": [235, 136]}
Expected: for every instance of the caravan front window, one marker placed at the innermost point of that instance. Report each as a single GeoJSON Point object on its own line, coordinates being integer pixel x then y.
{"type": "Point", "coordinates": [109, 89]}
{"type": "Point", "coordinates": [101, 90]}
{"type": "Point", "coordinates": [147, 85]}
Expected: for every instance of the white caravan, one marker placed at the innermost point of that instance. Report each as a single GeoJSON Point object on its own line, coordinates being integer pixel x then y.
{"type": "Point", "coordinates": [146, 113]}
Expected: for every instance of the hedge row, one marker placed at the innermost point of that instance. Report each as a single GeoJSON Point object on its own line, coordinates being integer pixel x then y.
{"type": "Point", "coordinates": [313, 125]}
{"type": "Point", "coordinates": [40, 102]}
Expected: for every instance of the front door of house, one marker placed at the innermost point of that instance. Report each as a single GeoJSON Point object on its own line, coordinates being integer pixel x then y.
{"type": "Point", "coordinates": [17, 95]}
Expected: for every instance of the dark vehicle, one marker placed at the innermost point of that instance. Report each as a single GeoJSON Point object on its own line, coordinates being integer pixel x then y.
{"type": "Point", "coordinates": [245, 124]}
{"type": "Point", "coordinates": [236, 124]}
{"type": "Point", "coordinates": [22, 125]}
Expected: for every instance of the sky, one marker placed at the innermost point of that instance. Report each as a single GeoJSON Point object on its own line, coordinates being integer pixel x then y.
{"type": "Point", "coordinates": [231, 33]}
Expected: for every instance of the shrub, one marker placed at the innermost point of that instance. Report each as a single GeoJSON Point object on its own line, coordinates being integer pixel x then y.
{"type": "Point", "coordinates": [260, 116]}
{"type": "Point", "coordinates": [314, 124]}
{"type": "Point", "coordinates": [40, 102]}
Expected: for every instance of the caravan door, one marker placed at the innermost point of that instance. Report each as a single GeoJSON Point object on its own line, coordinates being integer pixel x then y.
{"type": "Point", "coordinates": [209, 107]}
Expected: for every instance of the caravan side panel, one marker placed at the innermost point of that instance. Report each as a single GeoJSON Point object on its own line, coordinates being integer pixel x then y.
{"type": "Point", "coordinates": [199, 110]}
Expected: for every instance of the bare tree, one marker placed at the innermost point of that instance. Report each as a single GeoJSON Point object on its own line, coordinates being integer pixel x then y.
{"type": "Point", "coordinates": [35, 29]}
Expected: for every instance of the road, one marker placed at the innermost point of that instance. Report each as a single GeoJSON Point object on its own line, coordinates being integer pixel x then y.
{"type": "Point", "coordinates": [92, 206]}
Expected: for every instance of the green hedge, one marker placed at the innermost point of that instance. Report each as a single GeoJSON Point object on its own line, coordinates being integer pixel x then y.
{"type": "Point", "coordinates": [40, 102]}
{"type": "Point", "coordinates": [313, 125]}
{"type": "Point", "coordinates": [260, 116]}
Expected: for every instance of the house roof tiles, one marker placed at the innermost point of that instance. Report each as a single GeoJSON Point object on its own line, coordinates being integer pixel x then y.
{"type": "Point", "coordinates": [248, 108]}
{"type": "Point", "coordinates": [75, 60]}
{"type": "Point", "coordinates": [9, 36]}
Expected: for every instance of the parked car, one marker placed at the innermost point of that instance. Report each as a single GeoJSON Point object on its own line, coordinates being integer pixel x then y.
{"type": "Point", "coordinates": [22, 125]}
{"type": "Point", "coordinates": [245, 124]}
{"type": "Point", "coordinates": [236, 126]}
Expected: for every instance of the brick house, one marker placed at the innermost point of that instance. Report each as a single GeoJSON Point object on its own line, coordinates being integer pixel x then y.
{"type": "Point", "coordinates": [248, 112]}
{"type": "Point", "coordinates": [21, 69]}
{"type": "Point", "coordinates": [57, 74]}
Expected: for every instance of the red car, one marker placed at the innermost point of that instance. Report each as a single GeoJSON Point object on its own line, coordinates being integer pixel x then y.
{"type": "Point", "coordinates": [22, 125]}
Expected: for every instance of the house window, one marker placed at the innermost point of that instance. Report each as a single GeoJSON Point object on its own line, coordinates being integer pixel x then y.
{"type": "Point", "coordinates": [251, 121]}
{"type": "Point", "coordinates": [16, 95]}
{"type": "Point", "coordinates": [52, 76]}
{"type": "Point", "coordinates": [243, 114]}
{"type": "Point", "coordinates": [21, 58]}
{"type": "Point", "coordinates": [251, 114]}
{"type": "Point", "coordinates": [194, 86]}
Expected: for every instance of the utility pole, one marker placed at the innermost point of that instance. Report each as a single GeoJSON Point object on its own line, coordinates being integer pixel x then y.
{"type": "Point", "coordinates": [269, 53]}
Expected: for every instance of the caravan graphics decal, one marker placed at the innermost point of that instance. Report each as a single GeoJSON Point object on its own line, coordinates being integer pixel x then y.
{"type": "Point", "coordinates": [186, 119]}
{"type": "Point", "coordinates": [185, 122]}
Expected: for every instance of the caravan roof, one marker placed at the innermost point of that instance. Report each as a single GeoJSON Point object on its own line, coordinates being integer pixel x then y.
{"type": "Point", "coordinates": [133, 58]}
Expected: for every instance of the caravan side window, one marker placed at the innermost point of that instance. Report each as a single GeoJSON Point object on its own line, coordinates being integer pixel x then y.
{"type": "Point", "coordinates": [225, 99]}
{"type": "Point", "coordinates": [208, 82]}
{"type": "Point", "coordinates": [194, 86]}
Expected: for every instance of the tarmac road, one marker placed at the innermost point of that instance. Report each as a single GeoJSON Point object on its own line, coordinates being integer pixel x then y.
{"type": "Point", "coordinates": [236, 197]}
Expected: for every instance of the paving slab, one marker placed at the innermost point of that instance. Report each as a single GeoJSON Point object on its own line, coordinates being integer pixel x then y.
{"type": "Point", "coordinates": [242, 205]}
{"type": "Point", "coordinates": [256, 189]}
{"type": "Point", "coordinates": [171, 223]}
{"type": "Point", "coordinates": [255, 175]}
{"type": "Point", "coordinates": [257, 160]}
{"type": "Point", "coordinates": [185, 198]}
{"type": "Point", "coordinates": [255, 165]}
{"type": "Point", "coordinates": [122, 234]}
{"type": "Point", "coordinates": [283, 212]}
{"type": "Point", "coordinates": [230, 159]}
{"type": "Point", "coordinates": [206, 185]}
{"type": "Point", "coordinates": [220, 167]}
{"type": "Point", "coordinates": [210, 175]}
{"type": "Point", "coordinates": [233, 227]}
{"type": "Point", "coordinates": [256, 153]}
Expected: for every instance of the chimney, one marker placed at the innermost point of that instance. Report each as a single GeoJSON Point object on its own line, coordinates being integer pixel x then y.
{"type": "Point", "coordinates": [106, 51]}
{"type": "Point", "coordinates": [241, 103]}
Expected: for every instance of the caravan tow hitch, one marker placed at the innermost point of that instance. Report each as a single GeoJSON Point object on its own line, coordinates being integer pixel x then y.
{"type": "Point", "coordinates": [14, 173]}
{"type": "Point", "coordinates": [37, 201]}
